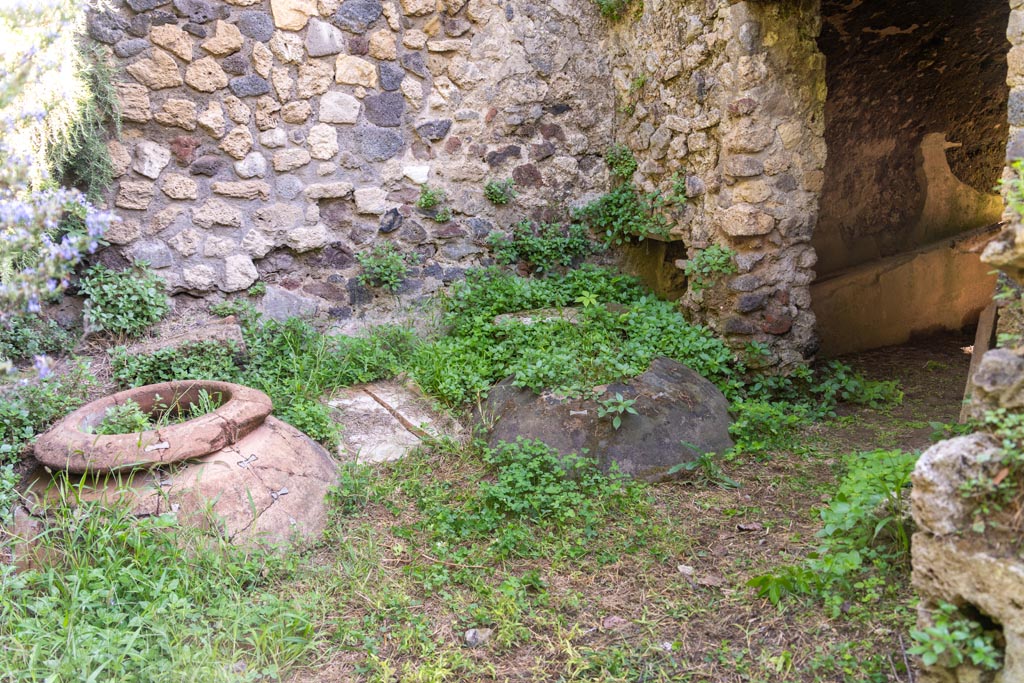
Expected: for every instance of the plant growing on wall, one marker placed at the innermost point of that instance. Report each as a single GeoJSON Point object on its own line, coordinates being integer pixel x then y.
{"type": "Point", "coordinates": [384, 266]}
{"type": "Point", "coordinates": [613, 9]}
{"type": "Point", "coordinates": [126, 302]}
{"type": "Point", "coordinates": [499, 192]}
{"type": "Point", "coordinates": [707, 265]}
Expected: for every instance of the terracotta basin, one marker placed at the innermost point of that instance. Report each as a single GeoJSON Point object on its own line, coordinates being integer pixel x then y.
{"type": "Point", "coordinates": [70, 446]}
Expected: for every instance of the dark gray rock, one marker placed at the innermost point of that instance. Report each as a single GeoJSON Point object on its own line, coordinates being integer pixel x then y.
{"type": "Point", "coordinates": [385, 109]}
{"type": "Point", "coordinates": [413, 61]}
{"type": "Point", "coordinates": [357, 15]}
{"type": "Point", "coordinates": [358, 295]}
{"type": "Point", "coordinates": [106, 27]}
{"type": "Point", "coordinates": [236, 64]}
{"type": "Point", "coordinates": [413, 233]}
{"type": "Point", "coordinates": [206, 165]}
{"type": "Point", "coordinates": [130, 47]}
{"type": "Point", "coordinates": [390, 221]}
{"type": "Point", "coordinates": [159, 17]}
{"type": "Point", "coordinates": [434, 130]}
{"type": "Point", "coordinates": [146, 5]}
{"type": "Point", "coordinates": [256, 25]}
{"type": "Point", "coordinates": [480, 227]}
{"type": "Point", "coordinates": [681, 416]}
{"type": "Point", "coordinates": [248, 86]}
{"type": "Point", "coordinates": [499, 156]}
{"type": "Point", "coordinates": [379, 144]}
{"type": "Point", "coordinates": [200, 11]}
{"type": "Point", "coordinates": [391, 76]}
{"type": "Point", "coordinates": [139, 26]}
{"type": "Point", "coordinates": [197, 30]}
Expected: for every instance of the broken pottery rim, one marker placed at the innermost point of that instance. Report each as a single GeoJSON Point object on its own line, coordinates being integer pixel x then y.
{"type": "Point", "coordinates": [68, 446]}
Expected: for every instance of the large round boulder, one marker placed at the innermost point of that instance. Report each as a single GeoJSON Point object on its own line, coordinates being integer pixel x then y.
{"type": "Point", "coordinates": [679, 417]}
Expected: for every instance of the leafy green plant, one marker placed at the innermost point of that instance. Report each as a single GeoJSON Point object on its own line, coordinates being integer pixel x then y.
{"type": "Point", "coordinates": [616, 406]}
{"type": "Point", "coordinates": [196, 360]}
{"type": "Point", "coordinates": [613, 9]}
{"type": "Point", "coordinates": [384, 266]}
{"type": "Point", "coordinates": [1013, 187]}
{"type": "Point", "coordinates": [29, 409]}
{"type": "Point", "coordinates": [429, 198]}
{"type": "Point", "coordinates": [124, 302]}
{"type": "Point", "coordinates": [621, 162]}
{"type": "Point", "coordinates": [953, 639]}
{"type": "Point", "coordinates": [500, 192]}
{"type": "Point", "coordinates": [442, 215]}
{"type": "Point", "coordinates": [706, 470]}
{"type": "Point", "coordinates": [678, 196]}
{"type": "Point", "coordinates": [124, 418]}
{"type": "Point", "coordinates": [8, 493]}
{"type": "Point", "coordinates": [129, 418]}
{"type": "Point", "coordinates": [541, 246]}
{"type": "Point", "coordinates": [865, 524]}
{"type": "Point", "coordinates": [708, 265]}
{"type": "Point", "coordinates": [257, 289]}
{"type": "Point", "coordinates": [26, 335]}
{"type": "Point", "coordinates": [625, 215]}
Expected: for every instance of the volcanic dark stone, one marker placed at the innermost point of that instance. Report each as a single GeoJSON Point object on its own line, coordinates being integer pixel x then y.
{"type": "Point", "coordinates": [391, 76]}
{"type": "Point", "coordinates": [256, 25]}
{"type": "Point", "coordinates": [357, 15]}
{"type": "Point", "coordinates": [130, 47]}
{"type": "Point", "coordinates": [434, 130]}
{"type": "Point", "coordinates": [248, 86]}
{"type": "Point", "coordinates": [390, 221]}
{"type": "Point", "coordinates": [385, 109]}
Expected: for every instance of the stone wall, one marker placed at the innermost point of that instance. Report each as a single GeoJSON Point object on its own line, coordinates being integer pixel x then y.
{"type": "Point", "coordinates": [275, 140]}
{"type": "Point", "coordinates": [915, 125]}
{"type": "Point", "coordinates": [730, 96]}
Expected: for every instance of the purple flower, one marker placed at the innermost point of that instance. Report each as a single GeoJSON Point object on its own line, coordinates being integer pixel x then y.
{"type": "Point", "coordinates": [42, 365]}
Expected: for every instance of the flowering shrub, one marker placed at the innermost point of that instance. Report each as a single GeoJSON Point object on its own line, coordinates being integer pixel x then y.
{"type": "Point", "coordinates": [45, 231]}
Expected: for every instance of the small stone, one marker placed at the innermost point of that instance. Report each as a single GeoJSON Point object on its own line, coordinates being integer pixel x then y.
{"type": "Point", "coordinates": [207, 165]}
{"type": "Point", "coordinates": [254, 165]}
{"type": "Point", "coordinates": [386, 109]}
{"type": "Point", "coordinates": [177, 113]}
{"type": "Point", "coordinates": [152, 252]}
{"type": "Point", "coordinates": [212, 120]}
{"type": "Point", "coordinates": [134, 101]}
{"type": "Point", "coordinates": [106, 27]}
{"type": "Point", "coordinates": [355, 71]}
{"type": "Point", "coordinates": [292, 15]}
{"type": "Point", "coordinates": [150, 158]}
{"type": "Point", "coordinates": [413, 91]}
{"type": "Point", "coordinates": [328, 190]}
{"type": "Point", "coordinates": [383, 45]}
{"type": "Point", "coordinates": [417, 174]}
{"type": "Point", "coordinates": [323, 141]}
{"type": "Point", "coordinates": [296, 112]}
{"type": "Point", "coordinates": [238, 142]}
{"type": "Point", "coordinates": [123, 232]}
{"type": "Point", "coordinates": [256, 25]}
{"type": "Point", "coordinates": [266, 112]}
{"type": "Point", "coordinates": [183, 148]}
{"type": "Point", "coordinates": [326, 168]}
{"type": "Point", "coordinates": [475, 637]}
{"type": "Point", "coordinates": [314, 79]}
{"type": "Point", "coordinates": [177, 186]}
{"type": "Point", "coordinates": [391, 76]}
{"type": "Point", "coordinates": [322, 39]}
{"type": "Point", "coordinates": [245, 189]}
{"type": "Point", "coordinates": [185, 242]}
{"type": "Point", "coordinates": [239, 273]}
{"type": "Point", "coordinates": [226, 39]}
{"type": "Point", "coordinates": [288, 48]}
{"type": "Point", "coordinates": [196, 30]}
{"type": "Point", "coordinates": [283, 82]}
{"type": "Point", "coordinates": [217, 212]}
{"type": "Point", "coordinates": [274, 137]}
{"type": "Point", "coordinates": [461, 46]}
{"type": "Point", "coordinates": [357, 15]}
{"type": "Point", "coordinates": [744, 220]}
{"type": "Point", "coordinates": [201, 278]}
{"type": "Point", "coordinates": [456, 27]}
{"type": "Point", "coordinates": [158, 72]}
{"type": "Point", "coordinates": [413, 61]}
{"type": "Point", "coordinates": [164, 218]}
{"type": "Point", "coordinates": [238, 111]}
{"type": "Point", "coordinates": [130, 47]}
{"type": "Point", "coordinates": [134, 195]}
{"type": "Point", "coordinates": [173, 39]}
{"type": "Point", "coordinates": [140, 24]}
{"type": "Point", "coordinates": [262, 60]}
{"type": "Point", "coordinates": [434, 130]}
{"type": "Point", "coordinates": [219, 247]}
{"type": "Point", "coordinates": [205, 75]}
{"type": "Point", "coordinates": [379, 144]}
{"type": "Point", "coordinates": [120, 159]}
{"type": "Point", "coordinates": [308, 237]}
{"type": "Point", "coordinates": [249, 86]}
{"type": "Point", "coordinates": [419, 8]}
{"type": "Point", "coordinates": [199, 11]}
{"type": "Point", "coordinates": [390, 221]}
{"type": "Point", "coordinates": [337, 107]}
{"type": "Point", "coordinates": [414, 39]}
{"type": "Point", "coordinates": [371, 200]}
{"type": "Point", "coordinates": [290, 159]}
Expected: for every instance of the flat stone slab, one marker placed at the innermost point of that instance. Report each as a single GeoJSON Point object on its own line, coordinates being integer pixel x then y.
{"type": "Point", "coordinates": [383, 421]}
